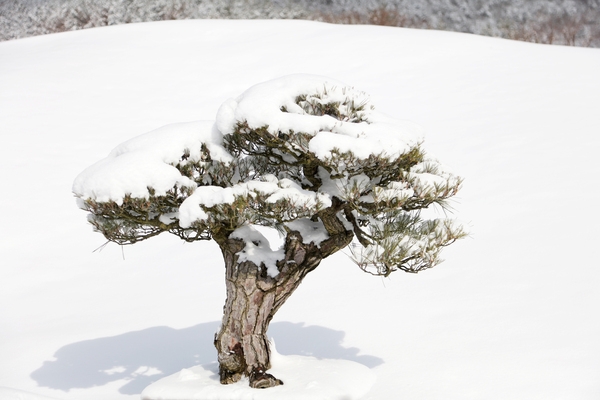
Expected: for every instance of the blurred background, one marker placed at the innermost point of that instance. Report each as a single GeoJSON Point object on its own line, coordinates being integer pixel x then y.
{"type": "Point", "coordinates": [562, 22]}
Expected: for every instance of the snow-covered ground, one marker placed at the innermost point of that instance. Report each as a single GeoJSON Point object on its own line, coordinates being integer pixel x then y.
{"type": "Point", "coordinates": [511, 314]}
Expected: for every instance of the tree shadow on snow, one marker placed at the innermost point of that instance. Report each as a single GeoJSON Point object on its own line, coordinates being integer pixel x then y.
{"type": "Point", "coordinates": [143, 357]}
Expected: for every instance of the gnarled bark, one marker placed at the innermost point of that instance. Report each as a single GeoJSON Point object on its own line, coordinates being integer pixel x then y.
{"type": "Point", "coordinates": [253, 298]}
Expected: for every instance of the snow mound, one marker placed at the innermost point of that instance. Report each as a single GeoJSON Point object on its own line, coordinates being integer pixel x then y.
{"type": "Point", "coordinates": [303, 377]}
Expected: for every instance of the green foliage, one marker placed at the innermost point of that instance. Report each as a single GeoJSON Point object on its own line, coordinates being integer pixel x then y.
{"type": "Point", "coordinates": [137, 219]}
{"type": "Point", "coordinates": [377, 199]}
{"type": "Point", "coordinates": [381, 195]}
{"type": "Point", "coordinates": [347, 110]}
{"type": "Point", "coordinates": [403, 241]}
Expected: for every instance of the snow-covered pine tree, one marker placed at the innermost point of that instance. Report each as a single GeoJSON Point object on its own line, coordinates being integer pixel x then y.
{"type": "Point", "coordinates": [302, 154]}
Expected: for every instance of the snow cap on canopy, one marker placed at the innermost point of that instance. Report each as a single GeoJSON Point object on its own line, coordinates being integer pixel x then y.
{"type": "Point", "coordinates": [148, 161]}
{"type": "Point", "coordinates": [282, 106]}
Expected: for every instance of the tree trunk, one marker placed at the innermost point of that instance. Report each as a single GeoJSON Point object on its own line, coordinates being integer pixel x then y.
{"type": "Point", "coordinates": [242, 342]}
{"type": "Point", "coordinates": [253, 298]}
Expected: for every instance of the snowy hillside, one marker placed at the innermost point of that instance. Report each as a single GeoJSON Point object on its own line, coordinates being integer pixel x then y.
{"type": "Point", "coordinates": [510, 314]}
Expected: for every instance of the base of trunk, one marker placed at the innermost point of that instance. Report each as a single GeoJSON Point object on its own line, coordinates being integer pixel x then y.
{"type": "Point", "coordinates": [259, 379]}
{"type": "Point", "coordinates": [232, 366]}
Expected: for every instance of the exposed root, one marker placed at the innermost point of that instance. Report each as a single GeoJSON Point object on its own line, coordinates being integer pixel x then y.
{"type": "Point", "coordinates": [259, 379]}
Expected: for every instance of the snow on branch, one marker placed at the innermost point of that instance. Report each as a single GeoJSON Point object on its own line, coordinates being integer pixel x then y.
{"type": "Point", "coordinates": [152, 163]}
{"type": "Point", "coordinates": [304, 154]}
{"type": "Point", "coordinates": [257, 249]}
{"type": "Point", "coordinates": [313, 114]}
{"type": "Point", "coordinates": [268, 201]}
{"type": "Point", "coordinates": [135, 192]}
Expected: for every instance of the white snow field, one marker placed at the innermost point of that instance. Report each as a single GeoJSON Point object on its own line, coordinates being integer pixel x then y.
{"type": "Point", "coordinates": [511, 314]}
{"type": "Point", "coordinates": [305, 378]}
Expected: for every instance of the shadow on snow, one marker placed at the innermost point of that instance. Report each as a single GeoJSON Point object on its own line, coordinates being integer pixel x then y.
{"type": "Point", "coordinates": [143, 357]}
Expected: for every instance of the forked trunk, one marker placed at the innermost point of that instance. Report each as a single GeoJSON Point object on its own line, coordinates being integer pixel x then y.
{"type": "Point", "coordinates": [253, 298]}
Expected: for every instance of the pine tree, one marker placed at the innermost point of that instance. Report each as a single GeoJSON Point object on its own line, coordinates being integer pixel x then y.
{"type": "Point", "coordinates": [302, 154]}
